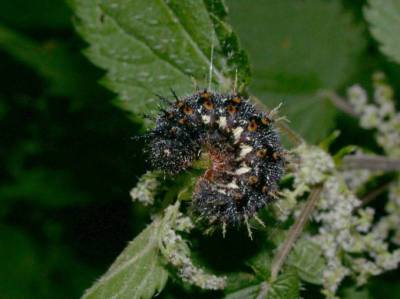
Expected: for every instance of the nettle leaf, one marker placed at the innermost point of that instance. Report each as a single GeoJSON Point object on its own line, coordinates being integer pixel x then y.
{"type": "Point", "coordinates": [137, 272]}
{"type": "Point", "coordinates": [384, 18]}
{"type": "Point", "coordinates": [308, 261]}
{"type": "Point", "coordinates": [354, 293]}
{"type": "Point", "coordinates": [286, 286]}
{"type": "Point", "coordinates": [245, 293]}
{"type": "Point", "coordinates": [379, 287]}
{"type": "Point", "coordinates": [19, 255]}
{"type": "Point", "coordinates": [297, 48]}
{"type": "Point", "coordinates": [261, 263]}
{"type": "Point", "coordinates": [148, 47]}
{"type": "Point", "coordinates": [44, 187]}
{"type": "Point", "coordinates": [61, 67]}
{"type": "Point", "coordinates": [240, 280]}
{"type": "Point", "coordinates": [35, 14]}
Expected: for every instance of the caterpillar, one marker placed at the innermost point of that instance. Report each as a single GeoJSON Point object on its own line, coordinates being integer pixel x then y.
{"type": "Point", "coordinates": [242, 145]}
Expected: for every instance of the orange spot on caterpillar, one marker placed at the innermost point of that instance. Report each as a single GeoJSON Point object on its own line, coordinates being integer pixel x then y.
{"type": "Point", "coordinates": [187, 110]}
{"type": "Point", "coordinates": [252, 127]}
{"type": "Point", "coordinates": [276, 156]}
{"type": "Point", "coordinates": [208, 105]}
{"type": "Point", "coordinates": [231, 109]}
{"type": "Point", "coordinates": [265, 120]}
{"type": "Point", "coordinates": [253, 180]}
{"type": "Point", "coordinates": [179, 104]}
{"type": "Point", "coordinates": [261, 153]}
{"type": "Point", "coordinates": [236, 100]}
{"type": "Point", "coordinates": [265, 189]}
{"type": "Point", "coordinates": [183, 121]}
{"type": "Point", "coordinates": [205, 95]}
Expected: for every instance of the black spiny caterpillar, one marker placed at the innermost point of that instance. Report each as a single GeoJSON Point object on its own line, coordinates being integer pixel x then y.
{"type": "Point", "coordinates": [244, 149]}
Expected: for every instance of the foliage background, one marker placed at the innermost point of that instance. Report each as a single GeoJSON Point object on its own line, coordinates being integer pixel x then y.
{"type": "Point", "coordinates": [67, 154]}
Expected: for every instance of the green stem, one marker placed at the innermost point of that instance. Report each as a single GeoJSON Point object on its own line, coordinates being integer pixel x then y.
{"type": "Point", "coordinates": [291, 239]}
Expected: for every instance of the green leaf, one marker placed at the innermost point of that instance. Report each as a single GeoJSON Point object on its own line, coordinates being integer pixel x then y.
{"type": "Point", "coordinates": [148, 47]}
{"type": "Point", "coordinates": [286, 286]}
{"type": "Point", "coordinates": [308, 261]}
{"type": "Point", "coordinates": [384, 18]}
{"type": "Point", "coordinates": [41, 14]}
{"type": "Point", "coordinates": [18, 255]}
{"type": "Point", "coordinates": [44, 187]}
{"type": "Point", "coordinates": [137, 272]}
{"type": "Point", "coordinates": [64, 70]}
{"type": "Point", "coordinates": [261, 263]}
{"type": "Point", "coordinates": [240, 280]}
{"type": "Point", "coordinates": [297, 48]}
{"type": "Point", "coordinates": [354, 293]}
{"type": "Point", "coordinates": [246, 293]}
{"type": "Point", "coordinates": [328, 141]}
{"type": "Point", "coordinates": [379, 287]}
{"type": "Point", "coordinates": [346, 150]}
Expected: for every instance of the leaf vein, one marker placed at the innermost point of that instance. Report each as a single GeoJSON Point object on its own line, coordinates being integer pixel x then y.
{"type": "Point", "coordinates": [195, 45]}
{"type": "Point", "coordinates": [125, 265]}
{"type": "Point", "coordinates": [135, 37]}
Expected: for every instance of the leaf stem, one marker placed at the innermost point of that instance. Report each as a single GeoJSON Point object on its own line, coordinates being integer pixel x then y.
{"type": "Point", "coordinates": [291, 239]}
{"type": "Point", "coordinates": [295, 232]}
{"type": "Point", "coordinates": [338, 102]}
{"type": "Point", "coordinates": [371, 162]}
{"type": "Point", "coordinates": [374, 194]}
{"type": "Point", "coordinates": [292, 135]}
{"type": "Point", "coordinates": [263, 291]}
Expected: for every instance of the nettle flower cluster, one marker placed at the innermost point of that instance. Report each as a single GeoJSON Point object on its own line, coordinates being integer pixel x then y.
{"type": "Point", "coordinates": [353, 244]}
{"type": "Point", "coordinates": [382, 116]}
{"type": "Point", "coordinates": [177, 253]}
{"type": "Point", "coordinates": [146, 189]}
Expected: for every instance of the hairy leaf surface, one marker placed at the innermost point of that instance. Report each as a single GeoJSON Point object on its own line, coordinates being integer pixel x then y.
{"type": "Point", "coordinates": [286, 286]}
{"type": "Point", "coordinates": [384, 17]}
{"type": "Point", "coordinates": [137, 272]}
{"type": "Point", "coordinates": [148, 47]}
{"type": "Point", "coordinates": [308, 261]}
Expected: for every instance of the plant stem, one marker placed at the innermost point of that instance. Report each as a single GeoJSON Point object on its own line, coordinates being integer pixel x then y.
{"type": "Point", "coordinates": [339, 102]}
{"type": "Point", "coordinates": [371, 162]}
{"type": "Point", "coordinates": [295, 232]}
{"type": "Point", "coordinates": [291, 239]}
{"type": "Point", "coordinates": [263, 291]}
{"type": "Point", "coordinates": [293, 235]}
{"type": "Point", "coordinates": [374, 194]}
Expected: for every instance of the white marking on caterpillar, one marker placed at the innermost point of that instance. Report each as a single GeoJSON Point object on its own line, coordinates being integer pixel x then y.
{"type": "Point", "coordinates": [221, 191]}
{"type": "Point", "coordinates": [206, 119]}
{"type": "Point", "coordinates": [237, 132]}
{"type": "Point", "coordinates": [245, 149]}
{"type": "Point", "coordinates": [232, 185]}
{"type": "Point", "coordinates": [242, 170]}
{"type": "Point", "coordinates": [222, 122]}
